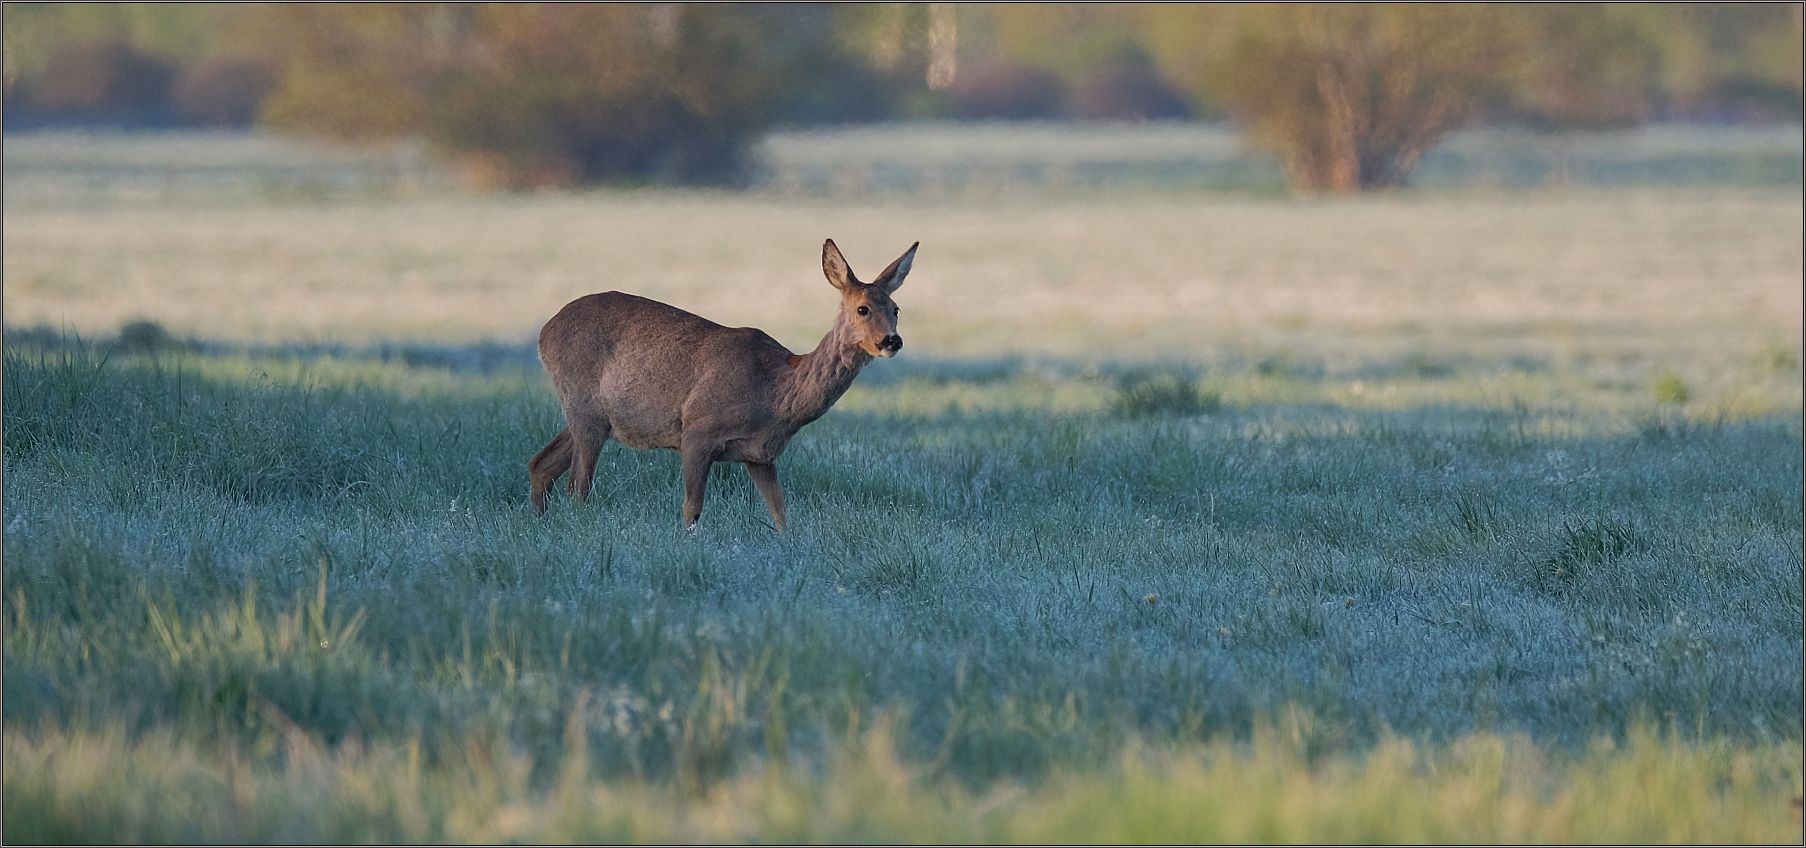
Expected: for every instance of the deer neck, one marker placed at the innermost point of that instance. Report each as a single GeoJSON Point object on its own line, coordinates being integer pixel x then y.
{"type": "Point", "coordinates": [820, 377]}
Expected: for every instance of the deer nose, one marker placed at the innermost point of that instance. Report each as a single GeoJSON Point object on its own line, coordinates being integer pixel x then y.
{"type": "Point", "coordinates": [892, 342]}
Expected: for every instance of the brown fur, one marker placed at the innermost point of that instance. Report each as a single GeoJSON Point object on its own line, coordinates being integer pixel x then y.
{"type": "Point", "coordinates": [650, 375]}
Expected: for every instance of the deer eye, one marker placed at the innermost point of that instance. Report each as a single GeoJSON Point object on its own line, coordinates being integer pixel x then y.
{"type": "Point", "coordinates": [864, 311]}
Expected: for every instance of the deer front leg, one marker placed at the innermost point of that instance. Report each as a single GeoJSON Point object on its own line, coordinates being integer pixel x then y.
{"type": "Point", "coordinates": [765, 479]}
{"type": "Point", "coordinates": [697, 462]}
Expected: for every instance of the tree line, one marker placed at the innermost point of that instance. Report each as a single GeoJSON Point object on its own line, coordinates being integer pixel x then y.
{"type": "Point", "coordinates": [1349, 97]}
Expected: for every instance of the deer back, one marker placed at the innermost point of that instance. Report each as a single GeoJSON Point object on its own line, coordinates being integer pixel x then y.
{"type": "Point", "coordinates": [651, 370]}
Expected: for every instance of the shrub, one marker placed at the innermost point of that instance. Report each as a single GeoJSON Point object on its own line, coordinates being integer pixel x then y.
{"type": "Point", "coordinates": [1127, 89]}
{"type": "Point", "coordinates": [102, 80]}
{"type": "Point", "coordinates": [149, 337]}
{"type": "Point", "coordinates": [1748, 100]}
{"type": "Point", "coordinates": [1015, 92]}
{"type": "Point", "coordinates": [224, 92]}
{"type": "Point", "coordinates": [1351, 97]}
{"type": "Point", "coordinates": [548, 94]}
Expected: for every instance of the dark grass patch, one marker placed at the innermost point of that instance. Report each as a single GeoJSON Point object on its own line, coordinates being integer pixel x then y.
{"type": "Point", "coordinates": [1581, 548]}
{"type": "Point", "coordinates": [1475, 515]}
{"type": "Point", "coordinates": [1145, 394]}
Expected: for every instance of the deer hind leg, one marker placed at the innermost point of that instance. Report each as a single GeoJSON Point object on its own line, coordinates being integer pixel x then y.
{"type": "Point", "coordinates": [547, 466]}
{"type": "Point", "coordinates": [765, 479]}
{"type": "Point", "coordinates": [586, 446]}
{"type": "Point", "coordinates": [697, 462]}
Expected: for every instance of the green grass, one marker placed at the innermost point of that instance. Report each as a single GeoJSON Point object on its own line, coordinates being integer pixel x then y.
{"type": "Point", "coordinates": [1670, 388]}
{"type": "Point", "coordinates": [298, 576]}
{"type": "Point", "coordinates": [109, 785]}
{"type": "Point", "coordinates": [1185, 517]}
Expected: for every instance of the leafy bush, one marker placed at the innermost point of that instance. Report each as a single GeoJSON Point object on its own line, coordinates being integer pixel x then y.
{"type": "Point", "coordinates": [1351, 97]}
{"type": "Point", "coordinates": [1746, 99]}
{"type": "Point", "coordinates": [146, 337]}
{"type": "Point", "coordinates": [224, 92]}
{"type": "Point", "coordinates": [543, 94]}
{"type": "Point", "coordinates": [106, 80]}
{"type": "Point", "coordinates": [1015, 92]}
{"type": "Point", "coordinates": [1128, 88]}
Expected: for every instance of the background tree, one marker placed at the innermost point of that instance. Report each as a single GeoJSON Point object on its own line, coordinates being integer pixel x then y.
{"type": "Point", "coordinates": [1348, 97]}
{"type": "Point", "coordinates": [1351, 97]}
{"type": "Point", "coordinates": [102, 63]}
{"type": "Point", "coordinates": [1127, 87]}
{"type": "Point", "coordinates": [102, 81]}
{"type": "Point", "coordinates": [1731, 61]}
{"type": "Point", "coordinates": [1574, 66]}
{"type": "Point", "coordinates": [1412, 74]}
{"type": "Point", "coordinates": [222, 91]}
{"type": "Point", "coordinates": [546, 94]}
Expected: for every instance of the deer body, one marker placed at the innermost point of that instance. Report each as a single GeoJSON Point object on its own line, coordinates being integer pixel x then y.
{"type": "Point", "coordinates": [650, 375]}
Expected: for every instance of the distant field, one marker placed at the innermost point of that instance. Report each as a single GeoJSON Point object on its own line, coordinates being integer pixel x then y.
{"type": "Point", "coordinates": [1467, 514]}
{"type": "Point", "coordinates": [249, 239]}
{"type": "Point", "coordinates": [979, 158]}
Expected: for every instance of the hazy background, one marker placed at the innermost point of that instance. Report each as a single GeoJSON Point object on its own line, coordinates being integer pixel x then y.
{"type": "Point", "coordinates": [285, 172]}
{"type": "Point", "coordinates": [1343, 97]}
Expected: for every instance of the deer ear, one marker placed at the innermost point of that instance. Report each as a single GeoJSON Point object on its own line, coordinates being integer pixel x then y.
{"type": "Point", "coordinates": [835, 267]}
{"type": "Point", "coordinates": [892, 278]}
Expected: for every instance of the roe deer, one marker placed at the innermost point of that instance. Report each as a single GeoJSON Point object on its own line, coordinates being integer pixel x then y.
{"type": "Point", "coordinates": [654, 376]}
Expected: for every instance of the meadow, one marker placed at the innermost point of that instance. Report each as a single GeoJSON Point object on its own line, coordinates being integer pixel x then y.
{"type": "Point", "coordinates": [1467, 513]}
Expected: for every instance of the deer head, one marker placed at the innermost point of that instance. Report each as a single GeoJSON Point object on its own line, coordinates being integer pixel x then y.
{"type": "Point", "coordinates": [867, 312]}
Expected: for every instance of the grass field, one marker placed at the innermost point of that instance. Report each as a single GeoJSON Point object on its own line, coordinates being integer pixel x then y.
{"type": "Point", "coordinates": [1468, 515]}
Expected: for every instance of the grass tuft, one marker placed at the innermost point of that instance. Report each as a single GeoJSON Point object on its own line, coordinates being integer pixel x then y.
{"type": "Point", "coordinates": [1581, 548]}
{"type": "Point", "coordinates": [1169, 393]}
{"type": "Point", "coordinates": [149, 337]}
{"type": "Point", "coordinates": [1779, 359]}
{"type": "Point", "coordinates": [1475, 515]}
{"type": "Point", "coordinates": [1670, 388]}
